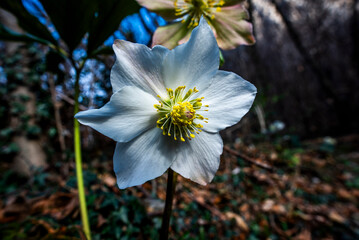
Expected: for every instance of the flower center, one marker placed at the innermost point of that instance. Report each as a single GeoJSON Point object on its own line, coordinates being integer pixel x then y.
{"type": "Point", "coordinates": [192, 10]}
{"type": "Point", "coordinates": [178, 113]}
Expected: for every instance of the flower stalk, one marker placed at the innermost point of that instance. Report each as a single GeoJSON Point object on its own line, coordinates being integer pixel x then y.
{"type": "Point", "coordinates": [78, 160]}
{"type": "Point", "coordinates": [171, 186]}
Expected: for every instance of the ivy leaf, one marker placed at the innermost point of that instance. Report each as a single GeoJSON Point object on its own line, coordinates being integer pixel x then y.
{"type": "Point", "coordinates": [101, 51]}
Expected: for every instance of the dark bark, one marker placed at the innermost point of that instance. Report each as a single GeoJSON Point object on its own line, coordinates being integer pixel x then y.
{"type": "Point", "coordinates": [304, 64]}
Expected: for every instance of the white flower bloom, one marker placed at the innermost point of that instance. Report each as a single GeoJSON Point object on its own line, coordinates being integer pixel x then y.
{"type": "Point", "coordinates": [168, 107]}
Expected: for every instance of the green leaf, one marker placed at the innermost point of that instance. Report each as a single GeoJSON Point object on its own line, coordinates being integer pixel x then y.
{"type": "Point", "coordinates": [52, 61]}
{"type": "Point", "coordinates": [7, 34]}
{"type": "Point", "coordinates": [101, 51]}
{"type": "Point", "coordinates": [107, 19]}
{"type": "Point", "coordinates": [11, 148]}
{"type": "Point", "coordinates": [232, 2]}
{"type": "Point", "coordinates": [71, 18]}
{"type": "Point", "coordinates": [123, 214]}
{"type": "Point", "coordinates": [221, 59]}
{"type": "Point", "coordinates": [27, 22]}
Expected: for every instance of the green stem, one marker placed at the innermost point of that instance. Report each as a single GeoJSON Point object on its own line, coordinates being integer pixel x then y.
{"type": "Point", "coordinates": [171, 186]}
{"type": "Point", "coordinates": [79, 176]}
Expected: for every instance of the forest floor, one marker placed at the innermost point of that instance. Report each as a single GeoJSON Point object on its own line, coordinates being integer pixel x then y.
{"type": "Point", "coordinates": [277, 188]}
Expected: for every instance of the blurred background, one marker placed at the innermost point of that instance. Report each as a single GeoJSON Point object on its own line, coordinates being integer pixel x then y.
{"type": "Point", "coordinates": [289, 170]}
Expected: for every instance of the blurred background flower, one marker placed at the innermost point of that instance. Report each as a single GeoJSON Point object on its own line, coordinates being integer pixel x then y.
{"type": "Point", "coordinates": [226, 17]}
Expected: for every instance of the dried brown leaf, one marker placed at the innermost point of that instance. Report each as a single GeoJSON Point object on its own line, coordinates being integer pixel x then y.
{"type": "Point", "coordinates": [334, 216]}
{"type": "Point", "coordinates": [239, 220]}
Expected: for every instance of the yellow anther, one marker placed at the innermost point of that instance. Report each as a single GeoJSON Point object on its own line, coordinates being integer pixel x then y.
{"type": "Point", "coordinates": [188, 94]}
{"type": "Point", "coordinates": [192, 10]}
{"type": "Point", "coordinates": [176, 116]}
{"type": "Point", "coordinates": [197, 104]}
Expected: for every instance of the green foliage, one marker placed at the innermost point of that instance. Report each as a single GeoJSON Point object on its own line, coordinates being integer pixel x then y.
{"type": "Point", "coordinates": [43, 110]}
{"type": "Point", "coordinates": [12, 231]}
{"type": "Point", "coordinates": [17, 108]}
{"type": "Point", "coordinates": [52, 61]}
{"type": "Point", "coordinates": [9, 182]}
{"type": "Point", "coordinates": [353, 183]}
{"type": "Point", "coordinates": [14, 110]}
{"type": "Point", "coordinates": [121, 214]}
{"type": "Point", "coordinates": [6, 132]}
{"type": "Point", "coordinates": [107, 18]}
{"type": "Point", "coordinates": [52, 132]}
{"type": "Point", "coordinates": [9, 35]}
{"type": "Point", "coordinates": [292, 156]}
{"type": "Point", "coordinates": [33, 131]}
{"type": "Point", "coordinates": [328, 145]}
{"type": "Point", "coordinates": [221, 58]}
{"type": "Point", "coordinates": [26, 21]}
{"type": "Point", "coordinates": [8, 149]}
{"type": "Point", "coordinates": [71, 19]}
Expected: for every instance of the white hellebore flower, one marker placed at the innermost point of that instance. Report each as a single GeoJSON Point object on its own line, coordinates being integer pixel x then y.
{"type": "Point", "coordinates": [167, 108]}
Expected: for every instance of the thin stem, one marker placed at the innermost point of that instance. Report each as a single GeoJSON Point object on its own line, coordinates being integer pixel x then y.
{"type": "Point", "coordinates": [171, 186]}
{"type": "Point", "coordinates": [79, 176]}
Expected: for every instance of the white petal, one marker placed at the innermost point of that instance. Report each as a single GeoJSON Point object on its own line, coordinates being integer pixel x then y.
{"type": "Point", "coordinates": [137, 65]}
{"type": "Point", "coordinates": [144, 158]}
{"type": "Point", "coordinates": [193, 63]}
{"type": "Point", "coordinates": [198, 159]}
{"type": "Point", "coordinates": [129, 113]}
{"type": "Point", "coordinates": [229, 98]}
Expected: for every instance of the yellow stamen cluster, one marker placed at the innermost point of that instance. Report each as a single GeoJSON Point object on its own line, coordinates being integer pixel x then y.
{"type": "Point", "coordinates": [192, 10]}
{"type": "Point", "coordinates": [177, 113]}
